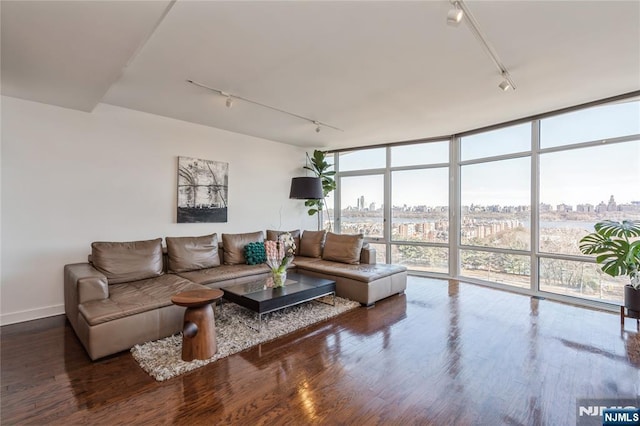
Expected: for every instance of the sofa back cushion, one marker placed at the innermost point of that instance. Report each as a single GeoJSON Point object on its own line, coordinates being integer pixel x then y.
{"type": "Point", "coordinates": [311, 243]}
{"type": "Point", "coordinates": [192, 253]}
{"type": "Point", "coordinates": [122, 262]}
{"type": "Point", "coordinates": [273, 236]}
{"type": "Point", "coordinates": [234, 246]}
{"type": "Point", "coordinates": [343, 248]}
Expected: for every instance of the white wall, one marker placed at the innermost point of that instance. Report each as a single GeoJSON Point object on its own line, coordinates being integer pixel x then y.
{"type": "Point", "coordinates": [70, 178]}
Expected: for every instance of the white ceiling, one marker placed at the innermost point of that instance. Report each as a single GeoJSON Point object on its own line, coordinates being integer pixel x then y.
{"type": "Point", "coordinates": [381, 71]}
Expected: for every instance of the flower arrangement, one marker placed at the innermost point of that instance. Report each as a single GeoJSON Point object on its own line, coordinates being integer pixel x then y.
{"type": "Point", "coordinates": [279, 255]}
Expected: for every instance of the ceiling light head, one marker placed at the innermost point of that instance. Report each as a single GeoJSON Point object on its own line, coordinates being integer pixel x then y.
{"type": "Point", "coordinates": [504, 85]}
{"type": "Point", "coordinates": [454, 16]}
{"type": "Point", "coordinates": [507, 82]}
{"type": "Point", "coordinates": [229, 102]}
{"type": "Point", "coordinates": [317, 126]}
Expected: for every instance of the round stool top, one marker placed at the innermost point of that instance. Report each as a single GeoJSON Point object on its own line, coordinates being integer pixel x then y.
{"type": "Point", "coordinates": [194, 298]}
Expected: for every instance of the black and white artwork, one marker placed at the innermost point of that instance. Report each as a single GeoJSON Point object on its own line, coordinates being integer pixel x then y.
{"type": "Point", "coordinates": [202, 190]}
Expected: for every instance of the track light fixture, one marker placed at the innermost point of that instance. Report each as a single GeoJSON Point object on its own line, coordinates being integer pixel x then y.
{"type": "Point", "coordinates": [230, 97]}
{"type": "Point", "coordinates": [507, 81]}
{"type": "Point", "coordinates": [455, 15]}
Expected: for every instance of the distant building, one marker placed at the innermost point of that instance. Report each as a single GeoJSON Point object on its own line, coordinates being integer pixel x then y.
{"type": "Point", "coordinates": [628, 208]}
{"type": "Point", "coordinates": [601, 208]}
{"type": "Point", "coordinates": [564, 208]}
{"type": "Point", "coordinates": [612, 207]}
{"type": "Point", "coordinates": [585, 208]}
{"type": "Point", "coordinates": [406, 230]}
{"type": "Point", "coordinates": [545, 207]}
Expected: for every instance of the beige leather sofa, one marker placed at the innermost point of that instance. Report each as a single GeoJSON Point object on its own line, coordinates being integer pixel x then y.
{"type": "Point", "coordinates": [122, 296]}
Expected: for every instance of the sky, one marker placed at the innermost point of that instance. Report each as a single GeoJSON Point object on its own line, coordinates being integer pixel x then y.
{"type": "Point", "coordinates": [575, 176]}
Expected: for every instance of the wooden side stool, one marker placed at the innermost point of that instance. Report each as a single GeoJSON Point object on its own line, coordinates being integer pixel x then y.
{"type": "Point", "coordinates": [199, 331]}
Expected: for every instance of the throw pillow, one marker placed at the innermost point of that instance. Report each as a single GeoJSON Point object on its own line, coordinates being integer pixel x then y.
{"type": "Point", "coordinates": [311, 243]}
{"type": "Point", "coordinates": [273, 236]}
{"type": "Point", "coordinates": [255, 254]}
{"type": "Point", "coordinates": [122, 262]}
{"type": "Point", "coordinates": [233, 245]}
{"type": "Point", "coordinates": [343, 248]}
{"type": "Point", "coordinates": [192, 253]}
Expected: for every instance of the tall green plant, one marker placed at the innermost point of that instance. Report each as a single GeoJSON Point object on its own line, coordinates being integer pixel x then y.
{"type": "Point", "coordinates": [320, 168]}
{"type": "Point", "coordinates": [615, 249]}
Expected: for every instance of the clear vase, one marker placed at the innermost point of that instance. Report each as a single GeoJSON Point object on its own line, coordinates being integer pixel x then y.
{"type": "Point", "coordinates": [279, 278]}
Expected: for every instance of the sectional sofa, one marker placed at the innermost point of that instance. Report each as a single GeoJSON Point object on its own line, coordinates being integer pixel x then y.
{"type": "Point", "coordinates": [122, 295]}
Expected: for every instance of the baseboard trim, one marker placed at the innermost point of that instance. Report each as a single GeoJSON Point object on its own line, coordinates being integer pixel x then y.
{"type": "Point", "coordinates": [31, 314]}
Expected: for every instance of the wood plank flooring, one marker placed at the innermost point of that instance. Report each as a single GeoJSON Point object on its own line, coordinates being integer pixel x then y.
{"type": "Point", "coordinates": [443, 353]}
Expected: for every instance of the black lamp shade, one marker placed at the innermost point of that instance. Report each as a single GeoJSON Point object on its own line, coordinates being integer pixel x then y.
{"type": "Point", "coordinates": [306, 188]}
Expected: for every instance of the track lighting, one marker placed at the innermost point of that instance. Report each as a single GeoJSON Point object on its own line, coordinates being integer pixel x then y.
{"type": "Point", "coordinates": [454, 16]}
{"type": "Point", "coordinates": [507, 82]}
{"type": "Point", "coordinates": [231, 97]}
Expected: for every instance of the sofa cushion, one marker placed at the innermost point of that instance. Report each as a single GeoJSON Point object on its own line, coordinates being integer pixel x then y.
{"type": "Point", "coordinates": [311, 243]}
{"type": "Point", "coordinates": [225, 273]}
{"type": "Point", "coordinates": [234, 246]}
{"type": "Point", "coordinates": [273, 236]}
{"type": "Point", "coordinates": [343, 248]}
{"type": "Point", "coordinates": [191, 253]}
{"type": "Point", "coordinates": [363, 272]}
{"type": "Point", "coordinates": [134, 297]}
{"type": "Point", "coordinates": [128, 261]}
{"type": "Point", "coordinates": [255, 254]}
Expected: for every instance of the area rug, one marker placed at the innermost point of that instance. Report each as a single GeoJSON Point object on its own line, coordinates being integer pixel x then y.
{"type": "Point", "coordinates": [162, 358]}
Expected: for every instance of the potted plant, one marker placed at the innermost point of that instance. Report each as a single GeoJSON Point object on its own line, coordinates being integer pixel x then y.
{"type": "Point", "coordinates": [320, 168]}
{"type": "Point", "coordinates": [617, 250]}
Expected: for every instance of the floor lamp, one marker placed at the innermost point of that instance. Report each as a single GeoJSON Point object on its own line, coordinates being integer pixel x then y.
{"type": "Point", "coordinates": [307, 188]}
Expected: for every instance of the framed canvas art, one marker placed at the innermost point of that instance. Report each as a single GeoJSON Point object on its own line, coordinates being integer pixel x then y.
{"type": "Point", "coordinates": [202, 190]}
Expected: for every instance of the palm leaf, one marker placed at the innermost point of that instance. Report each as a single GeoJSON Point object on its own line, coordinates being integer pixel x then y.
{"type": "Point", "coordinates": [613, 258]}
{"type": "Point", "coordinates": [594, 243]}
{"type": "Point", "coordinates": [626, 228]}
{"type": "Point", "coordinates": [611, 244]}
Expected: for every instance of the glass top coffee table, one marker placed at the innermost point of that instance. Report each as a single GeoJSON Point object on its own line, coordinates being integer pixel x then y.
{"type": "Point", "coordinates": [261, 299]}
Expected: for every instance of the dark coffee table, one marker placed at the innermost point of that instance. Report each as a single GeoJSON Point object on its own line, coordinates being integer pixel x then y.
{"type": "Point", "coordinates": [261, 299]}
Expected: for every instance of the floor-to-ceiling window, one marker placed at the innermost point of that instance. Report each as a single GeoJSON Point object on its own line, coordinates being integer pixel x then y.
{"type": "Point", "coordinates": [361, 194]}
{"type": "Point", "coordinates": [506, 205]}
{"type": "Point", "coordinates": [589, 171]}
{"type": "Point", "coordinates": [420, 206]}
{"type": "Point", "coordinates": [495, 205]}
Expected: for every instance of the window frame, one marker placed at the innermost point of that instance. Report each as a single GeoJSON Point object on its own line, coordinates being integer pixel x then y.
{"type": "Point", "coordinates": [455, 165]}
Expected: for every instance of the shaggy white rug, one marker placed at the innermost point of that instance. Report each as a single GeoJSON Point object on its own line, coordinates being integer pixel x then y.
{"type": "Point", "coordinates": [162, 358]}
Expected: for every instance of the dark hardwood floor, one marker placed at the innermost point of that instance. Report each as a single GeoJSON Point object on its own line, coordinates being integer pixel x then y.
{"type": "Point", "coordinates": [443, 353]}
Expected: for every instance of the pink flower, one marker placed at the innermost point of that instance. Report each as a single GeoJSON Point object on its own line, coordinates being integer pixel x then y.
{"type": "Point", "coordinates": [280, 253]}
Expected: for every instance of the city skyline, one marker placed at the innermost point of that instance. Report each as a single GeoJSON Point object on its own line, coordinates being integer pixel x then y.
{"type": "Point", "coordinates": [566, 177]}
{"type": "Point", "coordinates": [604, 205]}
{"type": "Point", "coordinates": [567, 173]}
